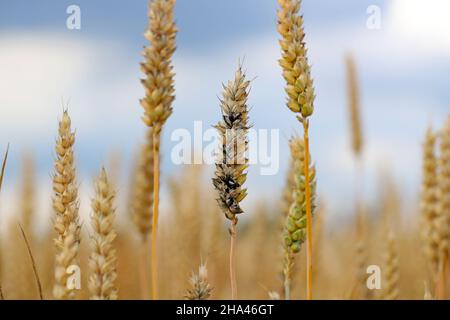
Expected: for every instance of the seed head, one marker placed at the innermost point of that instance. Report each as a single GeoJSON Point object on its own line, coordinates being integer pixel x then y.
{"type": "Point", "coordinates": [294, 61]}
{"type": "Point", "coordinates": [233, 130]}
{"type": "Point", "coordinates": [157, 67]}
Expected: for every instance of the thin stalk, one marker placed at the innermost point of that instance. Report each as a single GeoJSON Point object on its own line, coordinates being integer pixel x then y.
{"type": "Point", "coordinates": [309, 248]}
{"type": "Point", "coordinates": [33, 264]}
{"type": "Point", "coordinates": [143, 270]}
{"type": "Point", "coordinates": [2, 297]}
{"type": "Point", "coordinates": [156, 142]}
{"type": "Point", "coordinates": [233, 231]}
{"type": "Point", "coordinates": [287, 275]}
{"type": "Point", "coordinates": [441, 283]}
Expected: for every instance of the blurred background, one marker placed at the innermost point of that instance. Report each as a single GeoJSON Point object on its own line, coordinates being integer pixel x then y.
{"type": "Point", "coordinates": [403, 72]}
{"type": "Point", "coordinates": [403, 76]}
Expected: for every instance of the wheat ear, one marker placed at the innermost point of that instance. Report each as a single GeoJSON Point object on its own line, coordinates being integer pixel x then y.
{"type": "Point", "coordinates": [159, 95]}
{"type": "Point", "coordinates": [65, 205]}
{"type": "Point", "coordinates": [295, 230]}
{"type": "Point", "coordinates": [300, 100]}
{"type": "Point", "coordinates": [200, 288]}
{"type": "Point", "coordinates": [142, 212]}
{"type": "Point", "coordinates": [444, 210]}
{"type": "Point", "coordinates": [429, 204]}
{"type": "Point", "coordinates": [391, 291]}
{"type": "Point", "coordinates": [103, 257]}
{"type": "Point", "coordinates": [231, 169]}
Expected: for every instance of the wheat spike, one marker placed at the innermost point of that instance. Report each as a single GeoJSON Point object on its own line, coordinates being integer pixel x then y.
{"type": "Point", "coordinates": [143, 190]}
{"type": "Point", "coordinates": [443, 222]}
{"type": "Point", "coordinates": [231, 168]}
{"type": "Point", "coordinates": [103, 257]}
{"type": "Point", "coordinates": [391, 273]}
{"type": "Point", "coordinates": [295, 225]}
{"type": "Point", "coordinates": [233, 129]}
{"type": "Point", "coordinates": [444, 188]}
{"type": "Point", "coordinates": [157, 67]}
{"type": "Point", "coordinates": [429, 203]}
{"type": "Point", "coordinates": [65, 205]}
{"type": "Point", "coordinates": [200, 288]}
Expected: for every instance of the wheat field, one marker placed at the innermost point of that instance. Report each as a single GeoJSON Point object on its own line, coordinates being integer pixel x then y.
{"type": "Point", "coordinates": [201, 241]}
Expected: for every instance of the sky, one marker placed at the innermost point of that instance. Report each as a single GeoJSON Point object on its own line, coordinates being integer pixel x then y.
{"type": "Point", "coordinates": [403, 71]}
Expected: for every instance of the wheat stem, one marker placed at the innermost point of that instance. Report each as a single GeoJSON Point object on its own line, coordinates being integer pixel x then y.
{"type": "Point", "coordinates": [143, 270]}
{"type": "Point", "coordinates": [233, 282]}
{"type": "Point", "coordinates": [33, 264]}
{"type": "Point", "coordinates": [156, 142]}
{"type": "Point", "coordinates": [287, 273]}
{"type": "Point", "coordinates": [309, 248]}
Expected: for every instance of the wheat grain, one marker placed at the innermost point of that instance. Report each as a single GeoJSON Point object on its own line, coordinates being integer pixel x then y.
{"type": "Point", "coordinates": [230, 172]}
{"type": "Point", "coordinates": [103, 257]}
{"type": "Point", "coordinates": [200, 288]}
{"type": "Point", "coordinates": [65, 205]}
{"type": "Point", "coordinates": [159, 95]}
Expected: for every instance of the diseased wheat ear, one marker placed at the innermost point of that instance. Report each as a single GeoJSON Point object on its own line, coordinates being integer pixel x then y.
{"type": "Point", "coordinates": [233, 129]}
{"type": "Point", "coordinates": [65, 205]}
{"type": "Point", "coordinates": [103, 257]}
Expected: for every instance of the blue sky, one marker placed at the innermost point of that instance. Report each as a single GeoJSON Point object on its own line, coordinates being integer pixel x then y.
{"type": "Point", "coordinates": [403, 70]}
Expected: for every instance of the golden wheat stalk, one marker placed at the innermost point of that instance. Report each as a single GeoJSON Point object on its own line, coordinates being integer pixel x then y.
{"type": "Point", "coordinates": [33, 263]}
{"type": "Point", "coordinates": [65, 205]}
{"type": "Point", "coordinates": [159, 95]}
{"type": "Point", "coordinates": [103, 257]}
{"type": "Point", "coordinates": [230, 172]}
{"type": "Point", "coordinates": [300, 100]}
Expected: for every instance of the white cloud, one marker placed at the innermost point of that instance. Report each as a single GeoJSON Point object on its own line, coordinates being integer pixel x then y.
{"type": "Point", "coordinates": [426, 23]}
{"type": "Point", "coordinates": [37, 70]}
